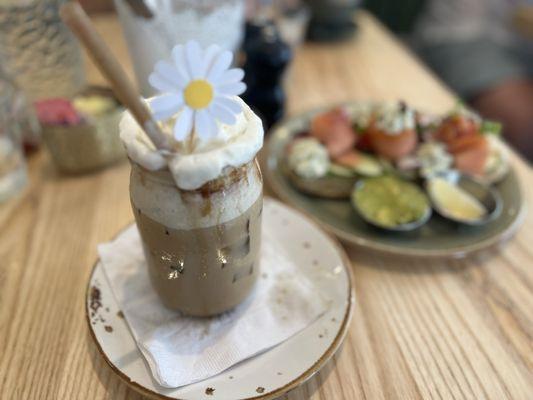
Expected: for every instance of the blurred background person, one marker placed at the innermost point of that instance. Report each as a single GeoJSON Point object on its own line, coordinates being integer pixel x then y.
{"type": "Point", "coordinates": [482, 49]}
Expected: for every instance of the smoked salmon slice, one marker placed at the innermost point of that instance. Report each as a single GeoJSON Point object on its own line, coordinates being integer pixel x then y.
{"type": "Point", "coordinates": [472, 161]}
{"type": "Point", "coordinates": [392, 146]}
{"type": "Point", "coordinates": [471, 157]}
{"type": "Point", "coordinates": [460, 144]}
{"type": "Point", "coordinates": [465, 142]}
{"type": "Point", "coordinates": [334, 130]}
{"type": "Point", "coordinates": [455, 127]}
{"type": "Point", "coordinates": [348, 159]}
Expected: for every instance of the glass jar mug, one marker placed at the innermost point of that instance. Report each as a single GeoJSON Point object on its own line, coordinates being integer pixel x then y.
{"type": "Point", "coordinates": [201, 246]}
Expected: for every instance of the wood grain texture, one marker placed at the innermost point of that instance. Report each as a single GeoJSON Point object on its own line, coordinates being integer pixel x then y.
{"type": "Point", "coordinates": [421, 329]}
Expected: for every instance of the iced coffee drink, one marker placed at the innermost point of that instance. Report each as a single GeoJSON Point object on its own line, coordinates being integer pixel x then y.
{"type": "Point", "coordinates": [198, 211]}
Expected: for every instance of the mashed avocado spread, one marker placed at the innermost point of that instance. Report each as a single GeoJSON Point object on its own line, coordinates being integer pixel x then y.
{"type": "Point", "coordinates": [389, 201]}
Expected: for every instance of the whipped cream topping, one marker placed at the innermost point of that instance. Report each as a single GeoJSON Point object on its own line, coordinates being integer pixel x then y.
{"type": "Point", "coordinates": [235, 146]}
{"type": "Point", "coordinates": [394, 118]}
{"type": "Point", "coordinates": [308, 158]}
{"type": "Point", "coordinates": [433, 159]}
{"type": "Point", "coordinates": [497, 165]}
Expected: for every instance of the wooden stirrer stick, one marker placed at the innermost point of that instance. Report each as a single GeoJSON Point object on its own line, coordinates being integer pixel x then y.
{"type": "Point", "coordinates": [79, 23]}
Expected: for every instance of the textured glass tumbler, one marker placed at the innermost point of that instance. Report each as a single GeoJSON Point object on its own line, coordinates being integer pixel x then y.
{"type": "Point", "coordinates": [13, 176]}
{"type": "Point", "coordinates": [152, 29]}
{"type": "Point", "coordinates": [37, 50]}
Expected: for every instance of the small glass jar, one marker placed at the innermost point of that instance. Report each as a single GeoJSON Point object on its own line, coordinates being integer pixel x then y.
{"type": "Point", "coordinates": [92, 144]}
{"type": "Point", "coordinates": [201, 246]}
{"type": "Point", "coordinates": [88, 146]}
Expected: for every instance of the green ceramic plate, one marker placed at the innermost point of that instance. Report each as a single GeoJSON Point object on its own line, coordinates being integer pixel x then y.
{"type": "Point", "coordinates": [439, 237]}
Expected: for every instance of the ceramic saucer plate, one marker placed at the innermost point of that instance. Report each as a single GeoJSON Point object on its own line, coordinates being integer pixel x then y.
{"type": "Point", "coordinates": [268, 375]}
{"type": "Point", "coordinates": [437, 238]}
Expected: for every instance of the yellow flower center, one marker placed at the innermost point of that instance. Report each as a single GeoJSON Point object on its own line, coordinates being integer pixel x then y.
{"type": "Point", "coordinates": [198, 94]}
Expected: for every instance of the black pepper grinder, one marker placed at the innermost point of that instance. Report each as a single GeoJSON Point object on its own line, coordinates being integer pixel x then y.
{"type": "Point", "coordinates": [267, 57]}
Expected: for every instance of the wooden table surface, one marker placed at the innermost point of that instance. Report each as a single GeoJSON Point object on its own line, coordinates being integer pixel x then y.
{"type": "Point", "coordinates": [421, 329]}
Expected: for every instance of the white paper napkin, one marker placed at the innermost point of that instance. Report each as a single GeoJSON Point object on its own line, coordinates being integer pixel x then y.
{"type": "Point", "coordinates": [181, 350]}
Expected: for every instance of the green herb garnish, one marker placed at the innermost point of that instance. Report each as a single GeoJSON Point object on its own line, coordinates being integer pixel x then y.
{"type": "Point", "coordinates": [491, 128]}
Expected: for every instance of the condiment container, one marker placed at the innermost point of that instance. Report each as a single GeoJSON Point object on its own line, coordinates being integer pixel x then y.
{"type": "Point", "coordinates": [463, 199]}
{"type": "Point", "coordinates": [391, 203]}
{"type": "Point", "coordinates": [87, 142]}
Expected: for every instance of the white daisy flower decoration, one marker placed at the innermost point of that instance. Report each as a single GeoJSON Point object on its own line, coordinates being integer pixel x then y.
{"type": "Point", "coordinates": [198, 89]}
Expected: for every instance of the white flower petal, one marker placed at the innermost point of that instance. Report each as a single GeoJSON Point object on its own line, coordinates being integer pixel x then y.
{"type": "Point", "coordinates": [164, 115]}
{"type": "Point", "coordinates": [166, 101]}
{"type": "Point", "coordinates": [160, 83]}
{"type": "Point", "coordinates": [222, 114]}
{"type": "Point", "coordinates": [183, 125]}
{"type": "Point", "coordinates": [194, 55]}
{"type": "Point", "coordinates": [232, 89]}
{"type": "Point", "coordinates": [202, 127]}
{"type": "Point", "coordinates": [230, 76]}
{"type": "Point", "coordinates": [228, 103]}
{"type": "Point", "coordinates": [209, 56]}
{"type": "Point", "coordinates": [170, 73]}
{"type": "Point", "coordinates": [165, 106]}
{"type": "Point", "coordinates": [220, 64]}
{"type": "Point", "coordinates": [178, 55]}
{"type": "Point", "coordinates": [213, 129]}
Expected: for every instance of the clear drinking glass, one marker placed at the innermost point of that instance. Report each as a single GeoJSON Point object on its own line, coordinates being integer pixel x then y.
{"type": "Point", "coordinates": [153, 27]}
{"type": "Point", "coordinates": [37, 50]}
{"type": "Point", "coordinates": [13, 176]}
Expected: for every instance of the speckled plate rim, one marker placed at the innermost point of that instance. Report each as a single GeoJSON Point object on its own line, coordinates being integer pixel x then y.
{"type": "Point", "coordinates": [270, 163]}
{"type": "Point", "coordinates": [306, 375]}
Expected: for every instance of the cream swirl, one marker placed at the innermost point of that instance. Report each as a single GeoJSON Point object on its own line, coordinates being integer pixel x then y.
{"type": "Point", "coordinates": [394, 118]}
{"type": "Point", "coordinates": [235, 146]}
